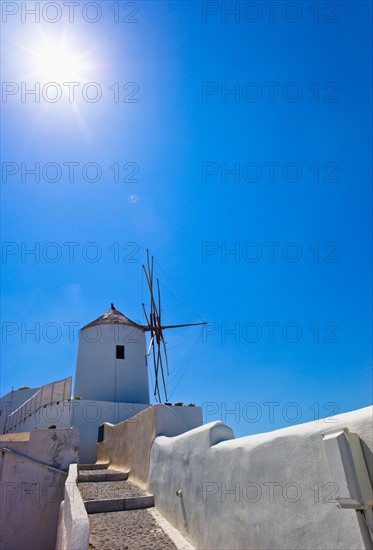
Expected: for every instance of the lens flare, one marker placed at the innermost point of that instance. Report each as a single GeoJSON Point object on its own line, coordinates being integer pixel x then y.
{"type": "Point", "coordinates": [133, 199]}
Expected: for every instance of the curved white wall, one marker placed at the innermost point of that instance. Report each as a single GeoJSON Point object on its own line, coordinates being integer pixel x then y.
{"type": "Point", "coordinates": [102, 377]}
{"type": "Point", "coordinates": [271, 490]}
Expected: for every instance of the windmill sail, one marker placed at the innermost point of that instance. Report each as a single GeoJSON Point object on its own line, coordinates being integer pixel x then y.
{"type": "Point", "coordinates": [157, 345]}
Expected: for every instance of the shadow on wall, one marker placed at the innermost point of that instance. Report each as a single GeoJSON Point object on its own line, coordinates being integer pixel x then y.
{"type": "Point", "coordinates": [31, 493]}
{"type": "Point", "coordinates": [368, 455]}
{"type": "Point", "coordinates": [270, 490]}
{"type": "Point", "coordinates": [126, 446]}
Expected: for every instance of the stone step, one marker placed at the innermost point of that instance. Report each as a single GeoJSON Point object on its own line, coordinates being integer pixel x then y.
{"type": "Point", "coordinates": [119, 504]}
{"type": "Point", "coordinates": [101, 475]}
{"type": "Point", "coordinates": [110, 490]}
{"type": "Point", "coordinates": [97, 466]}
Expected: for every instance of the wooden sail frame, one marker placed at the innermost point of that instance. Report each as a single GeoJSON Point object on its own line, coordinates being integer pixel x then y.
{"type": "Point", "coordinates": [155, 326]}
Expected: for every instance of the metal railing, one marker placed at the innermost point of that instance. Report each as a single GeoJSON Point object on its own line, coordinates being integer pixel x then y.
{"type": "Point", "coordinates": [34, 460]}
{"type": "Point", "coordinates": [46, 395]}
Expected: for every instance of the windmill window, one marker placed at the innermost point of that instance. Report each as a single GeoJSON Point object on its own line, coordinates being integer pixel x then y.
{"type": "Point", "coordinates": [120, 352]}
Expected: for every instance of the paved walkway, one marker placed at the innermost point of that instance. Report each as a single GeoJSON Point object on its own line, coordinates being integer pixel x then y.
{"type": "Point", "coordinates": [109, 489]}
{"type": "Point", "coordinates": [137, 529]}
{"type": "Point", "coordinates": [132, 530]}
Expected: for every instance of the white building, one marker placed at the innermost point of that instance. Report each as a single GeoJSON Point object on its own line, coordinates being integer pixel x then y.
{"type": "Point", "coordinates": [111, 385]}
{"type": "Point", "coordinates": [305, 486]}
{"type": "Point", "coordinates": [112, 362]}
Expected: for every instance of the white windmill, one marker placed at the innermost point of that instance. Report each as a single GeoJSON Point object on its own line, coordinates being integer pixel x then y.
{"type": "Point", "coordinates": [112, 355]}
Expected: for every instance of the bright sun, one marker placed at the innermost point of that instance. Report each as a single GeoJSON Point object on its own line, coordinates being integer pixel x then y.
{"type": "Point", "coordinates": [59, 60]}
{"type": "Point", "coordinates": [41, 57]}
{"type": "Point", "coordinates": [58, 64]}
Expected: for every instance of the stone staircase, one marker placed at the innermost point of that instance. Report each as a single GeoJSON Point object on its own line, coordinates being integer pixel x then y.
{"type": "Point", "coordinates": [118, 512]}
{"type": "Point", "coordinates": [107, 490]}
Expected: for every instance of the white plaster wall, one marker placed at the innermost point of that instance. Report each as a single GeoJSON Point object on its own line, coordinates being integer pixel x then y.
{"type": "Point", "coordinates": [267, 491]}
{"type": "Point", "coordinates": [87, 416]}
{"type": "Point", "coordinates": [31, 494]}
{"type": "Point", "coordinates": [11, 401]}
{"type": "Point", "coordinates": [102, 377]}
{"type": "Point", "coordinates": [191, 416]}
{"type": "Point", "coordinates": [54, 414]}
{"type": "Point", "coordinates": [73, 525]}
{"type": "Point", "coordinates": [127, 445]}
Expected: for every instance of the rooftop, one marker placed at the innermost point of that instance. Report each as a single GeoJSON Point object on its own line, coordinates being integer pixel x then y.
{"type": "Point", "coordinates": [113, 317]}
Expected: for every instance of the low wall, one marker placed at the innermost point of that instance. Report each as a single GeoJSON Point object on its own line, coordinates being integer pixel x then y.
{"type": "Point", "coordinates": [266, 491]}
{"type": "Point", "coordinates": [73, 525]}
{"type": "Point", "coordinates": [87, 416]}
{"type": "Point", "coordinates": [31, 494]}
{"type": "Point", "coordinates": [53, 414]}
{"type": "Point", "coordinates": [127, 445]}
{"type": "Point", "coordinates": [11, 401]}
{"type": "Point", "coordinates": [83, 414]}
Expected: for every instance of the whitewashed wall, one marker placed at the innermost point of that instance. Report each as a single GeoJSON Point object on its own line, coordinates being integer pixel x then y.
{"type": "Point", "coordinates": [31, 494]}
{"type": "Point", "coordinates": [85, 415]}
{"type": "Point", "coordinates": [73, 524]}
{"type": "Point", "coordinates": [11, 401]}
{"type": "Point", "coordinates": [127, 445]}
{"type": "Point", "coordinates": [54, 414]}
{"type": "Point", "coordinates": [102, 377]}
{"type": "Point", "coordinates": [266, 491]}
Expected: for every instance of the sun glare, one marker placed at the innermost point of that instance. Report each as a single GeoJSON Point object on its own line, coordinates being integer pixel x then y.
{"type": "Point", "coordinates": [58, 64]}
{"type": "Point", "coordinates": [59, 60]}
{"type": "Point", "coordinates": [43, 61]}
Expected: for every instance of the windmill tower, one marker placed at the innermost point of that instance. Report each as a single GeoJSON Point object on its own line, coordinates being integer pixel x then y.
{"type": "Point", "coordinates": [111, 364]}
{"type": "Point", "coordinates": [112, 353]}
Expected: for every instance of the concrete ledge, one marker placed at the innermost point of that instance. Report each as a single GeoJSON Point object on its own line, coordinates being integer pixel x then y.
{"type": "Point", "coordinates": [117, 476]}
{"type": "Point", "coordinates": [102, 476]}
{"type": "Point", "coordinates": [61, 533]}
{"type": "Point", "coordinates": [96, 466]}
{"type": "Point", "coordinates": [73, 527]}
{"type": "Point", "coordinates": [118, 504]}
{"type": "Point", "coordinates": [136, 503]}
{"type": "Point", "coordinates": [101, 506]}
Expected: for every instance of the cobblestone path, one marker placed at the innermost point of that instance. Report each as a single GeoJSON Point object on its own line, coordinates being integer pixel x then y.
{"type": "Point", "coordinates": [109, 489]}
{"type": "Point", "coordinates": [132, 530]}
{"type": "Point", "coordinates": [136, 529]}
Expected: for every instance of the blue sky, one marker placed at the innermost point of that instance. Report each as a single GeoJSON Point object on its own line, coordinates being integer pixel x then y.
{"type": "Point", "coordinates": [173, 145]}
